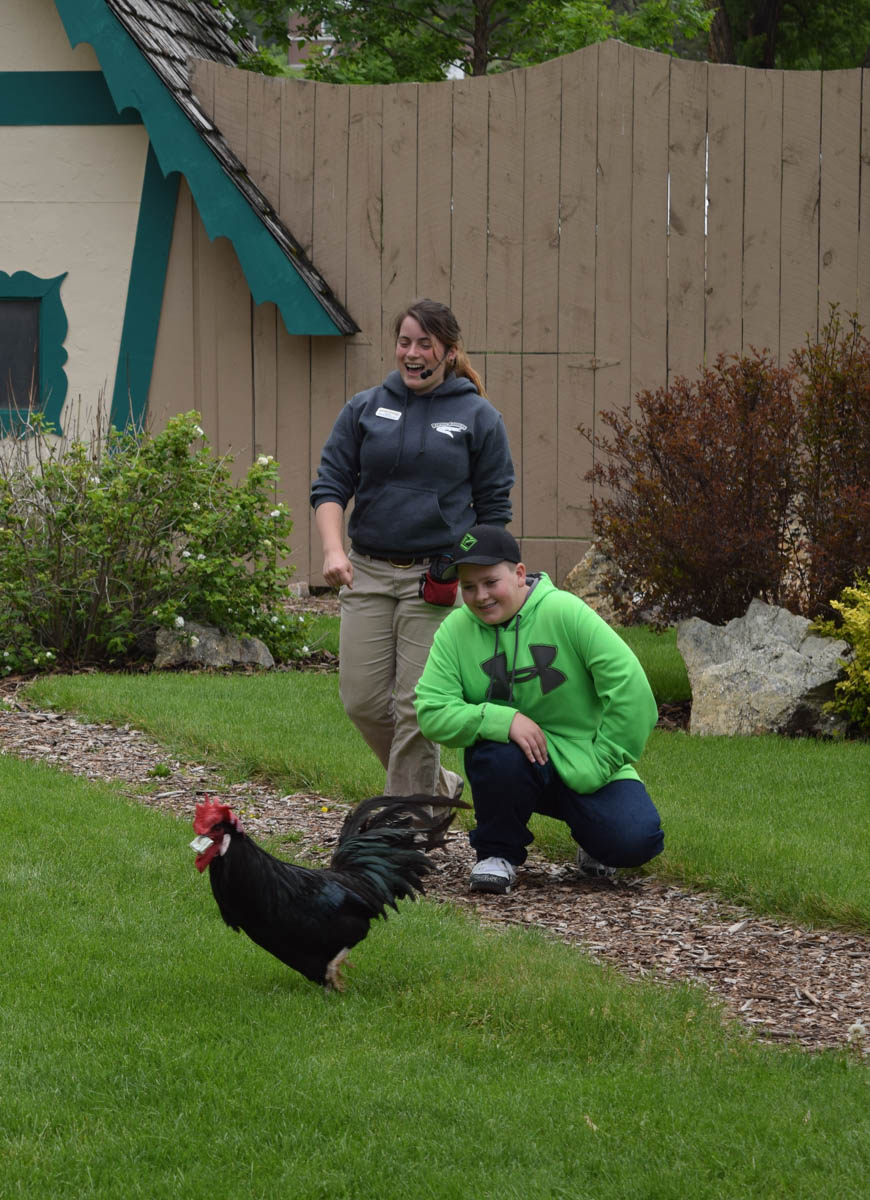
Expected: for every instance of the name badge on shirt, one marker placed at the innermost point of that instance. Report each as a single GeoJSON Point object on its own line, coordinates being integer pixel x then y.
{"type": "Point", "coordinates": [389, 413]}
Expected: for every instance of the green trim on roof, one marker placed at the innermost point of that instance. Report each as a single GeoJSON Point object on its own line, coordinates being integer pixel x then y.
{"type": "Point", "coordinates": [144, 295]}
{"type": "Point", "coordinates": [52, 334]}
{"type": "Point", "coordinates": [224, 210]}
{"type": "Point", "coordinates": [59, 98]}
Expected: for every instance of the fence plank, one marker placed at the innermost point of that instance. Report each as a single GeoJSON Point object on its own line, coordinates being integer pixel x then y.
{"type": "Point", "coordinates": [613, 315]}
{"type": "Point", "coordinates": [724, 289]}
{"type": "Point", "coordinates": [468, 228]}
{"type": "Point", "coordinates": [538, 445]}
{"type": "Point", "coordinates": [864, 217]}
{"type": "Point", "coordinates": [762, 211]}
{"type": "Point", "coordinates": [264, 136]}
{"type": "Point", "coordinates": [539, 554]}
{"type": "Point", "coordinates": [296, 207]}
{"type": "Point", "coordinates": [686, 243]}
{"type": "Point", "coordinates": [364, 206]}
{"type": "Point", "coordinates": [231, 107]}
{"type": "Point", "coordinates": [435, 174]}
{"type": "Point", "coordinates": [233, 335]}
{"type": "Point", "coordinates": [328, 396]}
{"type": "Point", "coordinates": [265, 353]}
{"type": "Point", "coordinates": [399, 267]}
{"type": "Point", "coordinates": [576, 406]}
{"type": "Point", "coordinates": [293, 446]}
{"type": "Point", "coordinates": [649, 225]}
{"type": "Point", "coordinates": [504, 387]}
{"type": "Point", "coordinates": [504, 257]}
{"type": "Point", "coordinates": [206, 281]}
{"type": "Point", "coordinates": [577, 202]}
{"type": "Point", "coordinates": [173, 387]}
{"type": "Point", "coordinates": [838, 196]}
{"type": "Point", "coordinates": [799, 263]}
{"type": "Point", "coordinates": [540, 282]}
{"type": "Point", "coordinates": [329, 244]}
{"type": "Point", "coordinates": [202, 77]}
{"type": "Point", "coordinates": [568, 554]}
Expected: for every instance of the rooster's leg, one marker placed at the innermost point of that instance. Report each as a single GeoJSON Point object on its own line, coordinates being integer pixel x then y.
{"type": "Point", "coordinates": [332, 980]}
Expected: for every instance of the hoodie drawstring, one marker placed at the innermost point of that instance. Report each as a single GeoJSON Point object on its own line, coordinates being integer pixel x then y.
{"type": "Point", "coordinates": [513, 670]}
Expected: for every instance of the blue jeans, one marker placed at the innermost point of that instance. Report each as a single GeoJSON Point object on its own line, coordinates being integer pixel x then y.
{"type": "Point", "coordinates": [619, 824]}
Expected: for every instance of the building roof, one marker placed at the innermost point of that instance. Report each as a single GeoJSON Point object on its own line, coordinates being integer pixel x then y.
{"type": "Point", "coordinates": [167, 34]}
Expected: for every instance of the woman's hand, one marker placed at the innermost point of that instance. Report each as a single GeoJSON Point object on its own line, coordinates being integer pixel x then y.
{"type": "Point", "coordinates": [337, 569]}
{"type": "Point", "coordinates": [530, 738]}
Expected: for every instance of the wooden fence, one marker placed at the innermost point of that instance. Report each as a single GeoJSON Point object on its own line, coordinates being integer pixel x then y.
{"type": "Point", "coordinates": [600, 224]}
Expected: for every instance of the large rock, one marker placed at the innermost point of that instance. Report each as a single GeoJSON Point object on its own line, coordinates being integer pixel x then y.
{"type": "Point", "coordinates": [206, 646]}
{"type": "Point", "coordinates": [761, 673]}
{"type": "Point", "coordinates": [588, 580]}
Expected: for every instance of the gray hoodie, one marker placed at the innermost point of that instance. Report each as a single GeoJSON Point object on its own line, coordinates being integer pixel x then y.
{"type": "Point", "coordinates": [422, 468]}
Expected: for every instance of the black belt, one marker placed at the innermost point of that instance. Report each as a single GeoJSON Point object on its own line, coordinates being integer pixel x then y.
{"type": "Point", "coordinates": [402, 562]}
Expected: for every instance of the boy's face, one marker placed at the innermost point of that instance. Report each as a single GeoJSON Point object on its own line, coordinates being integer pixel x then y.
{"type": "Point", "coordinates": [494, 593]}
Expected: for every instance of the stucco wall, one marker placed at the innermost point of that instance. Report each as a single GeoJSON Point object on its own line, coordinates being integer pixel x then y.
{"type": "Point", "coordinates": [69, 201]}
{"type": "Point", "coordinates": [32, 38]}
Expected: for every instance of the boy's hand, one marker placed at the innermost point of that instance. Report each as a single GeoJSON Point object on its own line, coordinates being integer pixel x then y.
{"type": "Point", "coordinates": [530, 738]}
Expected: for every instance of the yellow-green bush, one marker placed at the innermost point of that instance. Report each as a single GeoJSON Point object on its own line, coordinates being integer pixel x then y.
{"type": "Point", "coordinates": [852, 694]}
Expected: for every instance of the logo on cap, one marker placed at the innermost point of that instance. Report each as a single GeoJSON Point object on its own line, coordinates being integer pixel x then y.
{"type": "Point", "coordinates": [467, 542]}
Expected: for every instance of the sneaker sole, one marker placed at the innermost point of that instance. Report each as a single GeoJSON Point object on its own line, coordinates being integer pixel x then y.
{"type": "Point", "coordinates": [495, 886]}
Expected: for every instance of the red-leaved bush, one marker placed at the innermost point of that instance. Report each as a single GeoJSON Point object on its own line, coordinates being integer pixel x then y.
{"type": "Point", "coordinates": [752, 480]}
{"type": "Point", "coordinates": [832, 500]}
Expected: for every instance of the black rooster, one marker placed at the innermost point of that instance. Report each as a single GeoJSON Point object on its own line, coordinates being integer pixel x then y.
{"type": "Point", "coordinates": [310, 918]}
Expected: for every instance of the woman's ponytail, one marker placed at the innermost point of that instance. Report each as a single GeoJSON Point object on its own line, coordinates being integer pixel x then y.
{"type": "Point", "coordinates": [463, 367]}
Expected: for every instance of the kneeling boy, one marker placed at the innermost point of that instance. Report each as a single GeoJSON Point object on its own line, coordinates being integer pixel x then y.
{"type": "Point", "coordinates": [552, 708]}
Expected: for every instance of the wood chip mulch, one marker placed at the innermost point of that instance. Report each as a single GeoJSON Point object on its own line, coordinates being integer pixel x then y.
{"type": "Point", "coordinates": [788, 983]}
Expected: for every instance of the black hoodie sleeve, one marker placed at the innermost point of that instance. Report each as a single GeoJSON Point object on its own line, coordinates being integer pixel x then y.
{"type": "Point", "coordinates": [338, 473]}
{"type": "Point", "coordinates": [492, 477]}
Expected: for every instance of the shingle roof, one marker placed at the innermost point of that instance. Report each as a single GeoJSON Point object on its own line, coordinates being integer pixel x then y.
{"type": "Point", "coordinates": [171, 32]}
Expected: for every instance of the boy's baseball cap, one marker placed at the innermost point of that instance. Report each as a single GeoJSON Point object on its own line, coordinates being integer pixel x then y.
{"type": "Point", "coordinates": [485, 545]}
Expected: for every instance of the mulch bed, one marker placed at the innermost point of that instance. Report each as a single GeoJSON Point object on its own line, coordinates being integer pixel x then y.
{"type": "Point", "coordinates": [787, 983]}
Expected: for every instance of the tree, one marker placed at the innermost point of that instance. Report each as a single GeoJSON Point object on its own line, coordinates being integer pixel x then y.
{"type": "Point", "coordinates": [388, 41]}
{"type": "Point", "coordinates": [791, 34]}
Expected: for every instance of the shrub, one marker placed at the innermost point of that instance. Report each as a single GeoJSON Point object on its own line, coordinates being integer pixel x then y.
{"type": "Point", "coordinates": [693, 501]}
{"type": "Point", "coordinates": [102, 542]}
{"type": "Point", "coordinates": [852, 694]}
{"type": "Point", "coordinates": [833, 484]}
{"type": "Point", "coordinates": [752, 481]}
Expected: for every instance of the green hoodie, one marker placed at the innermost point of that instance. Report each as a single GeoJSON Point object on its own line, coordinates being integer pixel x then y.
{"type": "Point", "coordinates": [557, 662]}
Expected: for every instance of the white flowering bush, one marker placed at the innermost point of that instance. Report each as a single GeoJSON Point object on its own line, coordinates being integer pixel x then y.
{"type": "Point", "coordinates": [101, 542]}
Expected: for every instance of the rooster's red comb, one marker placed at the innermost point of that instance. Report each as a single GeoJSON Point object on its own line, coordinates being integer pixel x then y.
{"type": "Point", "coordinates": [210, 814]}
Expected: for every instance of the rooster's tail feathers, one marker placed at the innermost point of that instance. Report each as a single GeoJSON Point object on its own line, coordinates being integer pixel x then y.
{"type": "Point", "coordinates": [383, 844]}
{"type": "Point", "coordinates": [427, 818]}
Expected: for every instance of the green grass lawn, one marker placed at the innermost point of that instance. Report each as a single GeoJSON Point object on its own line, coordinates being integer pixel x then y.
{"type": "Point", "coordinates": [150, 1052]}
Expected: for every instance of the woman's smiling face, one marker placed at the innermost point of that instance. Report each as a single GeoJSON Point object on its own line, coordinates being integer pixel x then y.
{"type": "Point", "coordinates": [416, 352]}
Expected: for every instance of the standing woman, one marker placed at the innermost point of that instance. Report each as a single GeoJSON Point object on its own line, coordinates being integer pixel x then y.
{"type": "Point", "coordinates": [425, 456]}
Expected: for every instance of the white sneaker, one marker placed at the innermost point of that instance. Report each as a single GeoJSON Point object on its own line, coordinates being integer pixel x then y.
{"type": "Point", "coordinates": [492, 875]}
{"type": "Point", "coordinates": [591, 868]}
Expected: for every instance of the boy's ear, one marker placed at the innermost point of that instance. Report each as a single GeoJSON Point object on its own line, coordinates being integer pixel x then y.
{"type": "Point", "coordinates": [521, 572]}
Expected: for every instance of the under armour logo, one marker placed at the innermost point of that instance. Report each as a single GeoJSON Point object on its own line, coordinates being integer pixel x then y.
{"type": "Point", "coordinates": [500, 685]}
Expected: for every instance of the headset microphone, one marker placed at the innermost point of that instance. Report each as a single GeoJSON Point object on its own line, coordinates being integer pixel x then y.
{"type": "Point", "coordinates": [432, 370]}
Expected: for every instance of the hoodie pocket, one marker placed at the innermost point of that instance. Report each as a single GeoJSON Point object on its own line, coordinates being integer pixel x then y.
{"type": "Point", "coordinates": [582, 769]}
{"type": "Point", "coordinates": [401, 517]}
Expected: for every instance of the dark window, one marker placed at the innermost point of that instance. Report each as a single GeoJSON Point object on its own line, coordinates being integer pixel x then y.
{"type": "Point", "coordinates": [19, 353]}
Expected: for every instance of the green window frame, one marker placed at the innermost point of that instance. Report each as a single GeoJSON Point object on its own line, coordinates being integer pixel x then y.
{"type": "Point", "coordinates": [52, 356]}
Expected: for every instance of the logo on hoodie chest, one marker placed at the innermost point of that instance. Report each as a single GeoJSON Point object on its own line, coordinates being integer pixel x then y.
{"type": "Point", "coordinates": [449, 427]}
{"type": "Point", "coordinates": [500, 685]}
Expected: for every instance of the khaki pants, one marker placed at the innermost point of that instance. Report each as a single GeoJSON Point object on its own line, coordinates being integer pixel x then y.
{"type": "Point", "coordinates": [385, 637]}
